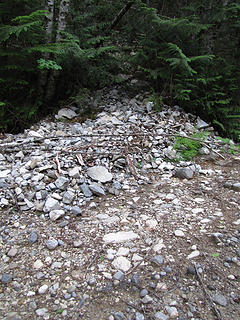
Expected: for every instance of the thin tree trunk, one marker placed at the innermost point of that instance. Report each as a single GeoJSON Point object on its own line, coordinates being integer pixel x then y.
{"type": "Point", "coordinates": [61, 26]}
{"type": "Point", "coordinates": [116, 20]}
{"type": "Point", "coordinates": [62, 22]}
{"type": "Point", "coordinates": [42, 81]}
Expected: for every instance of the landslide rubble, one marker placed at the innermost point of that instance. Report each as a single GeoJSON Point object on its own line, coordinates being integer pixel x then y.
{"type": "Point", "coordinates": [99, 220]}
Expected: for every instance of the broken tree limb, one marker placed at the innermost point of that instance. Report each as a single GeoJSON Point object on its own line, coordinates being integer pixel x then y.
{"type": "Point", "coordinates": [116, 20]}
{"type": "Point", "coordinates": [215, 310]}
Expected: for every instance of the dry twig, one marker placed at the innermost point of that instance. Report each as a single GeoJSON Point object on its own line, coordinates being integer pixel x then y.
{"type": "Point", "coordinates": [215, 310]}
{"type": "Point", "coordinates": [59, 171]}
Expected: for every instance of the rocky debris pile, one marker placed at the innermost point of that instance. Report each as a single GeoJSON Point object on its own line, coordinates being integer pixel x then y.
{"type": "Point", "coordinates": [58, 167]}
{"type": "Point", "coordinates": [97, 223]}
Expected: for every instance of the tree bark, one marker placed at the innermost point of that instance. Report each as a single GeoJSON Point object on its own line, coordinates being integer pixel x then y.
{"type": "Point", "coordinates": [61, 26]}
{"type": "Point", "coordinates": [42, 80]}
{"type": "Point", "coordinates": [62, 21]}
{"type": "Point", "coordinates": [116, 20]}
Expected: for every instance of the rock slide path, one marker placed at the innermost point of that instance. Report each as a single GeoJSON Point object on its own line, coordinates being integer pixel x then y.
{"type": "Point", "coordinates": [97, 224]}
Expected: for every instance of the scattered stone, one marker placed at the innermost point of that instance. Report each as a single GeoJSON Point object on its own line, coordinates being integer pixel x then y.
{"type": "Point", "coordinates": [147, 299]}
{"type": "Point", "coordinates": [157, 259]}
{"type": "Point", "coordinates": [236, 186]}
{"type": "Point", "coordinates": [12, 252]}
{"type": "Point", "coordinates": [184, 173]}
{"type": "Point", "coordinates": [85, 190]}
{"type": "Point", "coordinates": [97, 190]}
{"type": "Point", "coordinates": [191, 270]}
{"type": "Point", "coordinates": [6, 278]}
{"type": "Point", "coordinates": [118, 316]}
{"type": "Point", "coordinates": [99, 173]}
{"type": "Point", "coordinates": [118, 276]}
{"type": "Point", "coordinates": [135, 279]}
{"type": "Point", "coordinates": [139, 316]}
{"type": "Point", "coordinates": [179, 233]}
{"type": "Point", "coordinates": [43, 289]}
{"type": "Point", "coordinates": [160, 316]}
{"type": "Point", "coordinates": [62, 183]}
{"type": "Point", "coordinates": [194, 254]}
{"type": "Point", "coordinates": [66, 113]}
{"type": "Point", "coordinates": [51, 244]}
{"type": "Point", "coordinates": [119, 237]}
{"type": "Point", "coordinates": [76, 211]}
{"type": "Point", "coordinates": [77, 244]}
{"type": "Point", "coordinates": [143, 293]}
{"type": "Point", "coordinates": [202, 124]}
{"type": "Point", "coordinates": [12, 316]}
{"type": "Point", "coordinates": [38, 264]}
{"type": "Point", "coordinates": [33, 237]}
{"type": "Point", "coordinates": [172, 311]}
{"type": "Point", "coordinates": [56, 214]}
{"type": "Point", "coordinates": [122, 263]}
{"type": "Point", "coordinates": [220, 300]}
{"type": "Point", "coordinates": [51, 204]}
{"type": "Point", "coordinates": [41, 312]}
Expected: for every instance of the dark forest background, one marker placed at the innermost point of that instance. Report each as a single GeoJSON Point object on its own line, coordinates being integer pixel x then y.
{"type": "Point", "coordinates": [56, 50]}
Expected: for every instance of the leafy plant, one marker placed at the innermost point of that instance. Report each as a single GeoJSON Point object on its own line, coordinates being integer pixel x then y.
{"type": "Point", "coordinates": [189, 148]}
{"type": "Point", "coordinates": [215, 255]}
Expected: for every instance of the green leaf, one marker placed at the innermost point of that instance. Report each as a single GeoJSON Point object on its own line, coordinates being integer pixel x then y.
{"type": "Point", "coordinates": [215, 254]}
{"type": "Point", "coordinates": [59, 311]}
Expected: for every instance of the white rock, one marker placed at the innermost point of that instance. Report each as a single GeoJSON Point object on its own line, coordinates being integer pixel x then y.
{"type": "Point", "coordinates": [179, 233]}
{"type": "Point", "coordinates": [205, 220]}
{"type": "Point", "coordinates": [111, 254]}
{"type": "Point", "coordinates": [41, 312]}
{"type": "Point", "coordinates": [121, 236]}
{"type": "Point", "coordinates": [123, 251]}
{"type": "Point", "coordinates": [56, 214]}
{"type": "Point", "coordinates": [20, 155]}
{"type": "Point", "coordinates": [66, 113]}
{"type": "Point", "coordinates": [136, 257]}
{"type": "Point", "coordinates": [151, 223]}
{"type": "Point", "coordinates": [237, 222]}
{"type": "Point", "coordinates": [4, 173]}
{"type": "Point", "coordinates": [99, 173]}
{"type": "Point", "coordinates": [194, 254]}
{"type": "Point", "coordinates": [43, 289]}
{"type": "Point", "coordinates": [159, 246]}
{"type": "Point", "coordinates": [197, 210]}
{"type": "Point", "coordinates": [74, 172]}
{"type": "Point", "coordinates": [38, 264]}
{"type": "Point", "coordinates": [34, 134]}
{"type": "Point", "coordinates": [107, 275]}
{"type": "Point", "coordinates": [122, 263]}
{"type": "Point", "coordinates": [4, 201]}
{"type": "Point", "coordinates": [51, 204]}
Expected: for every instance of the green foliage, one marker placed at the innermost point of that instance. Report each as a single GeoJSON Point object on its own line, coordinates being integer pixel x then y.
{"type": "Point", "coordinates": [48, 64]}
{"type": "Point", "coordinates": [230, 147]}
{"type": "Point", "coordinates": [157, 101]}
{"type": "Point", "coordinates": [191, 55]}
{"type": "Point", "coordinates": [189, 148]}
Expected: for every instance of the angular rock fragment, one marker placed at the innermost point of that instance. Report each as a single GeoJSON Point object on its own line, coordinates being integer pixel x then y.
{"type": "Point", "coordinates": [99, 173]}
{"type": "Point", "coordinates": [184, 173]}
{"type": "Point", "coordinates": [121, 236]}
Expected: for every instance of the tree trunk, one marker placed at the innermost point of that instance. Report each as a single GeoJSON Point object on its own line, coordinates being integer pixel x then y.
{"type": "Point", "coordinates": [62, 22]}
{"type": "Point", "coordinates": [42, 81]}
{"type": "Point", "coordinates": [61, 26]}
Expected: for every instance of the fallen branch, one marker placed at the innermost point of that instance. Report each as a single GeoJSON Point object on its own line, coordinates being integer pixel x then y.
{"type": "Point", "coordinates": [59, 171]}
{"type": "Point", "coordinates": [94, 259]}
{"type": "Point", "coordinates": [80, 159]}
{"type": "Point", "coordinates": [140, 262]}
{"type": "Point", "coordinates": [215, 310]}
{"type": "Point", "coordinates": [129, 163]}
